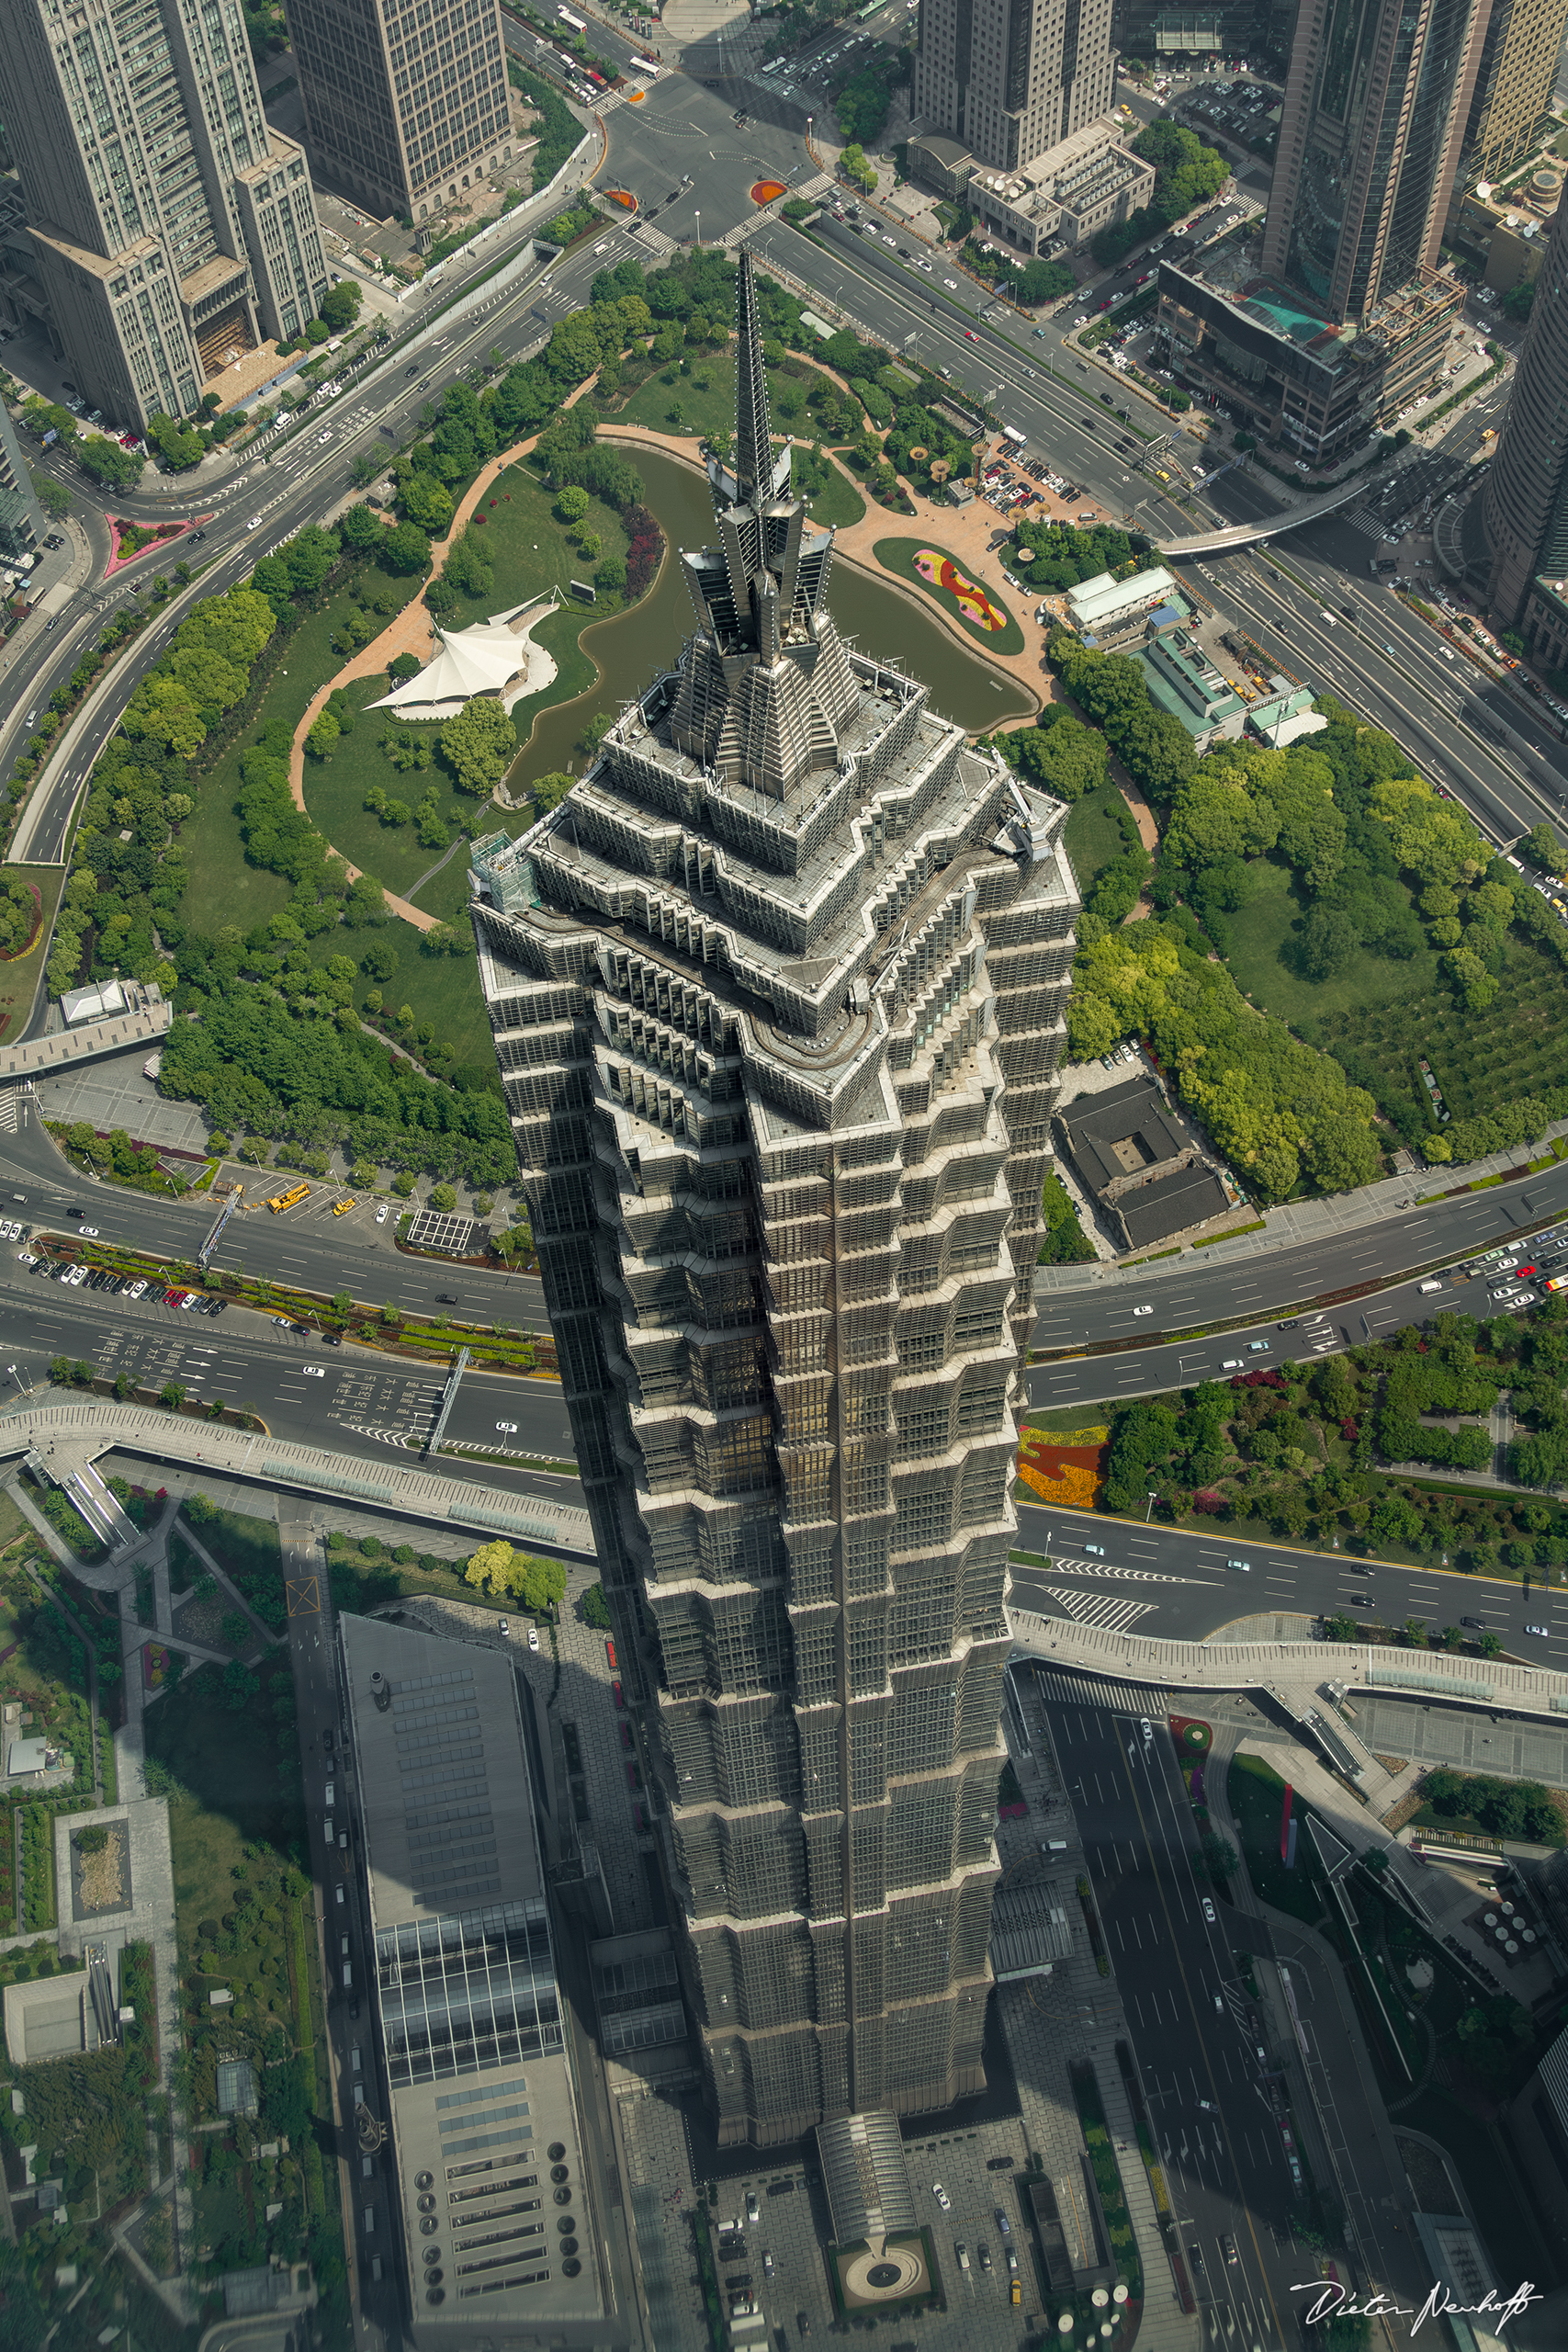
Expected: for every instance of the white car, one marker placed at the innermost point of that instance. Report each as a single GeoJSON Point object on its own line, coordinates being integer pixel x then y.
{"type": "Point", "coordinates": [534, 1638]}
{"type": "Point", "coordinates": [381, 1214]}
{"type": "Point", "coordinates": [1231, 1363]}
{"type": "Point", "coordinates": [1245, 1565]}
{"type": "Point", "coordinates": [507, 1428]}
{"type": "Point", "coordinates": [88, 1232]}
{"type": "Point", "coordinates": [942, 2199]}
{"type": "Point", "coordinates": [254, 524]}
{"type": "Point", "coordinates": [504, 1626]}
{"type": "Point", "coordinates": [1142, 1310]}
{"type": "Point", "coordinates": [314, 1372]}
{"type": "Point", "coordinates": [27, 1258]}
{"type": "Point", "coordinates": [136, 1290]}
{"type": "Point", "coordinates": [1097, 1549]}
{"type": "Point", "coordinates": [1209, 1911]}
{"type": "Point", "coordinates": [952, 283]}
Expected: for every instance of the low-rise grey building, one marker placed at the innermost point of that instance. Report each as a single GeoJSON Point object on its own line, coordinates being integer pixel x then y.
{"type": "Point", "coordinates": [1086, 182]}
{"type": "Point", "coordinates": [1147, 1175]}
{"type": "Point", "coordinates": [494, 2237]}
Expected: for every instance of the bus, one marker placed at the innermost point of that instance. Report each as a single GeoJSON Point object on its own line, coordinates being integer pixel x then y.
{"type": "Point", "coordinates": [281, 1201]}
{"type": "Point", "coordinates": [577, 23]}
{"type": "Point", "coordinates": [647, 66]}
{"type": "Point", "coordinates": [873, 8]}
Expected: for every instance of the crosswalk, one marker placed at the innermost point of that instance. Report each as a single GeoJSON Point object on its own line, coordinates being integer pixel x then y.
{"type": "Point", "coordinates": [1106, 1609]}
{"type": "Point", "coordinates": [1365, 520]}
{"type": "Point", "coordinates": [1059, 1689]}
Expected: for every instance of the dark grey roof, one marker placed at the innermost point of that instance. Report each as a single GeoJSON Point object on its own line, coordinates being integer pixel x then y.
{"type": "Point", "coordinates": [1098, 1122]}
{"type": "Point", "coordinates": [1188, 1196]}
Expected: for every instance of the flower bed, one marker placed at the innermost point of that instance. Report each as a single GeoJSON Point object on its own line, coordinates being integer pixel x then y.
{"type": "Point", "coordinates": [1069, 1476]}
{"type": "Point", "coordinates": [133, 540]}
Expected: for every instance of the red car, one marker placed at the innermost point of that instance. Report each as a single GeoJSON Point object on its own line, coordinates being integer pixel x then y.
{"type": "Point", "coordinates": [970, 335]}
{"type": "Point", "coordinates": [610, 1653]}
{"type": "Point", "coordinates": [620, 1695]}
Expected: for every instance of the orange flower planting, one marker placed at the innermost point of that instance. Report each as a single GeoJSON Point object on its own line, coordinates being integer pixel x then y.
{"type": "Point", "coordinates": [1068, 1474]}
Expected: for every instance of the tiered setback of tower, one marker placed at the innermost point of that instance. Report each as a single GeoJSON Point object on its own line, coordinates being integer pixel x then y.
{"type": "Point", "coordinates": [778, 997]}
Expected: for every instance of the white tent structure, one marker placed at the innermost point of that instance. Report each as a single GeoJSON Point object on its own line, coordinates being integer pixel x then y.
{"type": "Point", "coordinates": [494, 657]}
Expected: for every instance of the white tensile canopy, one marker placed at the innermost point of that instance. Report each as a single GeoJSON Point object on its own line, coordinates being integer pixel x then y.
{"type": "Point", "coordinates": [492, 657]}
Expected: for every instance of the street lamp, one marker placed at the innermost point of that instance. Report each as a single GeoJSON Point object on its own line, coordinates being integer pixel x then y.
{"type": "Point", "coordinates": [1148, 1514]}
{"type": "Point", "coordinates": [699, 231]}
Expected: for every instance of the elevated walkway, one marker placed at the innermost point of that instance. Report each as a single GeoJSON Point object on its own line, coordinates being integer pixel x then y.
{"type": "Point", "coordinates": [40, 1056]}
{"type": "Point", "coordinates": [1266, 526]}
{"type": "Point", "coordinates": [1294, 1672]}
{"type": "Point", "coordinates": [66, 1436]}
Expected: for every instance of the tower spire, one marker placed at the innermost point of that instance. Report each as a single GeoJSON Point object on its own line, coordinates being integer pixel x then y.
{"type": "Point", "coordinates": [753, 430]}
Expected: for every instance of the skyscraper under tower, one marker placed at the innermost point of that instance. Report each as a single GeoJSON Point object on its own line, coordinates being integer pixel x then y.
{"type": "Point", "coordinates": [405, 101]}
{"type": "Point", "coordinates": [778, 996]}
{"type": "Point", "coordinates": [174, 227]}
{"type": "Point", "coordinates": [1012, 78]}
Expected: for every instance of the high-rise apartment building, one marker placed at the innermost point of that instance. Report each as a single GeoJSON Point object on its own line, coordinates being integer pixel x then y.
{"type": "Point", "coordinates": [1376, 103]}
{"type": "Point", "coordinates": [1524, 501]}
{"type": "Point", "coordinates": [778, 996]}
{"type": "Point", "coordinates": [173, 228]}
{"type": "Point", "coordinates": [1011, 78]}
{"type": "Point", "coordinates": [1348, 320]}
{"type": "Point", "coordinates": [405, 101]}
{"type": "Point", "coordinates": [1514, 84]}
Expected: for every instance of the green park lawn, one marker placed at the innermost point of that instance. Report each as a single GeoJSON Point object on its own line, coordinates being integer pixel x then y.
{"type": "Point", "coordinates": [838, 504]}
{"type": "Point", "coordinates": [19, 975]}
{"type": "Point", "coordinates": [1096, 833]}
{"type": "Point", "coordinates": [704, 398]}
{"type": "Point", "coordinates": [897, 555]}
{"type": "Point", "coordinates": [1381, 1014]}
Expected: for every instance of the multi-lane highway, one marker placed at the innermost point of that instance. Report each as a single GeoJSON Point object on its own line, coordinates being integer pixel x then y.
{"type": "Point", "coordinates": [1211, 2066]}
{"type": "Point", "coordinates": [1181, 1584]}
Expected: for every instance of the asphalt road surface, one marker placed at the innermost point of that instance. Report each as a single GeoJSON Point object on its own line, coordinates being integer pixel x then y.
{"type": "Point", "coordinates": [1179, 1584]}
{"type": "Point", "coordinates": [1193, 2027]}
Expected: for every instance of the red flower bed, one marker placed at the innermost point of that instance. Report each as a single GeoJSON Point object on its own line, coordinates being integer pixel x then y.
{"type": "Point", "coordinates": [646, 552]}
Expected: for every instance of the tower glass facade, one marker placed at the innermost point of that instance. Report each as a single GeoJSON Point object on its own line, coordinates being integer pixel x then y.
{"type": "Point", "coordinates": [778, 995]}
{"type": "Point", "coordinates": [405, 101]}
{"type": "Point", "coordinates": [1525, 502]}
{"type": "Point", "coordinates": [1514, 85]}
{"type": "Point", "coordinates": [173, 228]}
{"type": "Point", "coordinates": [1376, 101]}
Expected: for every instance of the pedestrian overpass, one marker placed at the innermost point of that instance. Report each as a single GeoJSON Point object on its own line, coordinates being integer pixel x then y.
{"type": "Point", "coordinates": [1268, 526]}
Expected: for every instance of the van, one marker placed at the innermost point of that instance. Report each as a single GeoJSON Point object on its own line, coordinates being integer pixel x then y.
{"type": "Point", "coordinates": [1054, 1846]}
{"type": "Point", "coordinates": [347, 1975]}
{"type": "Point", "coordinates": [1427, 1288]}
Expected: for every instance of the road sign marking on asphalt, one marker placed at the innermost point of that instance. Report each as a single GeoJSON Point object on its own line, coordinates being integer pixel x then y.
{"type": "Point", "coordinates": [303, 1595]}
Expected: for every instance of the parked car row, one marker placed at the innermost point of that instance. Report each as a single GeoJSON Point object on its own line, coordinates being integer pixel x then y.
{"type": "Point", "coordinates": [59, 1270]}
